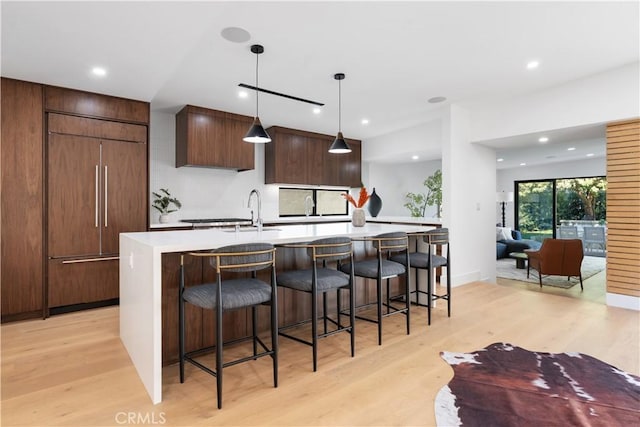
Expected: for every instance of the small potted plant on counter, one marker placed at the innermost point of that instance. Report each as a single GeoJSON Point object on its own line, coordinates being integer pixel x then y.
{"type": "Point", "coordinates": [163, 202]}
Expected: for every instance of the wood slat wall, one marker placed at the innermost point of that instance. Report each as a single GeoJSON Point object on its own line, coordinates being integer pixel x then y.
{"type": "Point", "coordinates": [623, 208]}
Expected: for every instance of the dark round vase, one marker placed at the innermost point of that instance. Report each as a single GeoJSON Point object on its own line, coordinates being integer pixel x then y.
{"type": "Point", "coordinates": [375, 204]}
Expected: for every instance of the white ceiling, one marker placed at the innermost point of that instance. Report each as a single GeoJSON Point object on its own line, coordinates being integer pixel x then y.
{"type": "Point", "coordinates": [396, 55]}
{"type": "Point", "coordinates": [563, 145]}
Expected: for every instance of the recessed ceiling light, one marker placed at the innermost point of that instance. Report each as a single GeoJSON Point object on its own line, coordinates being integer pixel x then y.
{"type": "Point", "coordinates": [365, 121]}
{"type": "Point", "coordinates": [99, 71]}
{"type": "Point", "coordinates": [571, 148]}
{"type": "Point", "coordinates": [243, 94]}
{"type": "Point", "coordinates": [235, 34]}
{"type": "Point", "coordinates": [543, 139]}
{"type": "Point", "coordinates": [523, 164]}
{"type": "Point", "coordinates": [590, 155]}
{"type": "Point", "coordinates": [437, 99]}
{"type": "Point", "coordinates": [500, 160]}
{"type": "Point", "coordinates": [414, 157]}
{"type": "Point", "coordinates": [317, 110]}
{"type": "Point", "coordinates": [532, 65]}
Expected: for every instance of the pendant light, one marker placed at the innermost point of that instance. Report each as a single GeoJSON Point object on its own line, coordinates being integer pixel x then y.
{"type": "Point", "coordinates": [256, 133]}
{"type": "Point", "coordinates": [339, 145]}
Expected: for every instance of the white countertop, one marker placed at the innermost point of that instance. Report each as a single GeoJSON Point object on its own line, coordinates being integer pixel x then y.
{"type": "Point", "coordinates": [210, 238]}
{"type": "Point", "coordinates": [321, 219]}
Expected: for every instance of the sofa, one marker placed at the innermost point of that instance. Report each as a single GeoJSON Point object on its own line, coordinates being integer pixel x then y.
{"type": "Point", "coordinates": [504, 245]}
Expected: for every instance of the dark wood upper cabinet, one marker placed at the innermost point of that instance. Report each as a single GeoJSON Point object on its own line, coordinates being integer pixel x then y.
{"type": "Point", "coordinates": [286, 157]}
{"type": "Point", "coordinates": [300, 157]}
{"type": "Point", "coordinates": [211, 138]}
{"type": "Point", "coordinates": [70, 101]}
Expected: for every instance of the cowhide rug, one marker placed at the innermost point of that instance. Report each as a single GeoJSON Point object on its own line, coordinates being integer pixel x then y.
{"type": "Point", "coordinates": [505, 385]}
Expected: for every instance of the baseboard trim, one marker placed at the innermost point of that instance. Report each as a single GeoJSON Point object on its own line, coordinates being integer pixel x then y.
{"type": "Point", "coordinates": [84, 306]}
{"type": "Point", "coordinates": [623, 301]}
{"type": "Point", "coordinates": [6, 318]}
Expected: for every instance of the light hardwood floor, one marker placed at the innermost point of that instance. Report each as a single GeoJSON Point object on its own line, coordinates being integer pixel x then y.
{"type": "Point", "coordinates": [595, 288]}
{"type": "Point", "coordinates": [72, 369]}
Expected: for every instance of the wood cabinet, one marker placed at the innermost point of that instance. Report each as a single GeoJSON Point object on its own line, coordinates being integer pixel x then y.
{"type": "Point", "coordinates": [96, 189]}
{"type": "Point", "coordinates": [76, 102]}
{"type": "Point", "coordinates": [22, 268]}
{"type": "Point", "coordinates": [300, 157]}
{"type": "Point", "coordinates": [70, 160]}
{"type": "Point", "coordinates": [212, 138]}
{"type": "Point", "coordinates": [83, 281]}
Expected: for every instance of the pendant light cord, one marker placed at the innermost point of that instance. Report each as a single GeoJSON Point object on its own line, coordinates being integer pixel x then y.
{"type": "Point", "coordinates": [339, 105]}
{"type": "Point", "coordinates": [257, 92]}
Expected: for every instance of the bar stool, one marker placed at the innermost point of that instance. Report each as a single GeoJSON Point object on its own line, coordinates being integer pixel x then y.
{"type": "Point", "coordinates": [321, 280]}
{"type": "Point", "coordinates": [382, 268]}
{"type": "Point", "coordinates": [431, 260]}
{"type": "Point", "coordinates": [232, 294]}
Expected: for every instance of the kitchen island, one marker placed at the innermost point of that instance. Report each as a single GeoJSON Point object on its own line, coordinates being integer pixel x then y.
{"type": "Point", "coordinates": [141, 267]}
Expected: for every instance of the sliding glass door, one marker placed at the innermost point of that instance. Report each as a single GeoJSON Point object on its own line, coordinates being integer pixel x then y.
{"type": "Point", "coordinates": [572, 208]}
{"type": "Point", "coordinates": [534, 209]}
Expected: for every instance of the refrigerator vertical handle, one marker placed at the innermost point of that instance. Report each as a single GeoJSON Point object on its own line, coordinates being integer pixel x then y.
{"type": "Point", "coordinates": [106, 192]}
{"type": "Point", "coordinates": [97, 200]}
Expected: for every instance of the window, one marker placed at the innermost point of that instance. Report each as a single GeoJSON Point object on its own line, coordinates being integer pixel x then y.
{"type": "Point", "coordinates": [314, 201]}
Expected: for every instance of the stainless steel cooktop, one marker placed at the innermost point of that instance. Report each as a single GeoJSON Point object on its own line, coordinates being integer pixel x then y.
{"type": "Point", "coordinates": [218, 222]}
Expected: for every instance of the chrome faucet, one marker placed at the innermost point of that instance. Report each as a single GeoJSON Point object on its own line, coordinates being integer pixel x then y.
{"type": "Point", "coordinates": [308, 205]}
{"type": "Point", "coordinates": [258, 221]}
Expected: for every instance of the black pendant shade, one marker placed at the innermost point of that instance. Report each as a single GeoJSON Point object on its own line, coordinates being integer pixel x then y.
{"type": "Point", "coordinates": [256, 133]}
{"type": "Point", "coordinates": [339, 145]}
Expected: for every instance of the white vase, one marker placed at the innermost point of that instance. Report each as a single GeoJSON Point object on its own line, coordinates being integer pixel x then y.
{"type": "Point", "coordinates": [358, 218]}
{"type": "Point", "coordinates": [164, 218]}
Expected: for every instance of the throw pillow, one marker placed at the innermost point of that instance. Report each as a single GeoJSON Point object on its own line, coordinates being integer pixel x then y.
{"type": "Point", "coordinates": [503, 233]}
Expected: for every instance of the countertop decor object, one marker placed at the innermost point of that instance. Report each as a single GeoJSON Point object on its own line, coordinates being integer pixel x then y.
{"type": "Point", "coordinates": [375, 204]}
{"type": "Point", "coordinates": [163, 202]}
{"type": "Point", "coordinates": [358, 218]}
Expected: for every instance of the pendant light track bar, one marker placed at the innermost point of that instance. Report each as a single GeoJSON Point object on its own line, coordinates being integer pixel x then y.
{"type": "Point", "coordinates": [270, 92]}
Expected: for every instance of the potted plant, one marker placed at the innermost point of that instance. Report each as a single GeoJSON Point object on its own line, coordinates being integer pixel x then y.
{"type": "Point", "coordinates": [417, 202]}
{"type": "Point", "coordinates": [162, 202]}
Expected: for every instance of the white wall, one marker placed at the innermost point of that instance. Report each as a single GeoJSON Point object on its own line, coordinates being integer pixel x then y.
{"type": "Point", "coordinates": [468, 178]}
{"type": "Point", "coordinates": [204, 192]}
{"type": "Point", "coordinates": [393, 181]}
{"type": "Point", "coordinates": [505, 178]}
